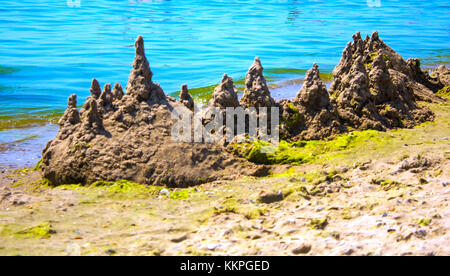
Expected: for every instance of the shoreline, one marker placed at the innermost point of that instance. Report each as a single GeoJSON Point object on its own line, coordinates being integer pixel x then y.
{"type": "Point", "coordinates": [15, 141]}
{"type": "Point", "coordinates": [22, 136]}
{"type": "Point", "coordinates": [36, 135]}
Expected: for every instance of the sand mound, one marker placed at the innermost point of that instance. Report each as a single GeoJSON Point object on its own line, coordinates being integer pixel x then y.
{"type": "Point", "coordinates": [117, 136]}
{"type": "Point", "coordinates": [256, 93]}
{"type": "Point", "coordinates": [225, 95]}
{"type": "Point", "coordinates": [442, 73]}
{"type": "Point", "coordinates": [185, 97]}
{"type": "Point", "coordinates": [310, 115]}
{"type": "Point", "coordinates": [374, 88]}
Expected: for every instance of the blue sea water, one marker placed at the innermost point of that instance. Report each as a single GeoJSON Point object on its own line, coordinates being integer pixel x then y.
{"type": "Point", "coordinates": [51, 49]}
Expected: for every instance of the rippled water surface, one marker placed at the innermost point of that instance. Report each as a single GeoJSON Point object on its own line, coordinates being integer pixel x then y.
{"type": "Point", "coordinates": [50, 49]}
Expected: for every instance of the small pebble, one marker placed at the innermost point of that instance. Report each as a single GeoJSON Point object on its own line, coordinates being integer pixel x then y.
{"type": "Point", "coordinates": [348, 251]}
{"type": "Point", "coordinates": [164, 192]}
{"type": "Point", "coordinates": [179, 239]}
{"type": "Point", "coordinates": [213, 247]}
{"type": "Point", "coordinates": [420, 233]}
{"type": "Point", "coordinates": [302, 249]}
{"type": "Point", "coordinates": [110, 252]}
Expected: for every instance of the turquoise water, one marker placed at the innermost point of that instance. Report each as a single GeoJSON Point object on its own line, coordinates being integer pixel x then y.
{"type": "Point", "coordinates": [50, 50]}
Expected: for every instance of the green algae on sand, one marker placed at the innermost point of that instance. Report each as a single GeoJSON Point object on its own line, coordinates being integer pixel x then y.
{"type": "Point", "coordinates": [125, 188]}
{"type": "Point", "coordinates": [295, 153]}
{"type": "Point", "coordinates": [40, 231]}
{"type": "Point", "coordinates": [444, 92]}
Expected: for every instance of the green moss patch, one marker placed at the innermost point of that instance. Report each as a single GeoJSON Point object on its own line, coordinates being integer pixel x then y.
{"type": "Point", "coordinates": [126, 187]}
{"type": "Point", "coordinates": [296, 153]}
{"type": "Point", "coordinates": [40, 231]}
{"type": "Point", "coordinates": [444, 92]}
{"type": "Point", "coordinates": [181, 194]}
{"type": "Point", "coordinates": [318, 224]}
{"type": "Point", "coordinates": [229, 205]}
{"type": "Point", "coordinates": [293, 120]}
{"type": "Point", "coordinates": [255, 213]}
{"type": "Point", "coordinates": [424, 221]}
{"type": "Point", "coordinates": [38, 165]}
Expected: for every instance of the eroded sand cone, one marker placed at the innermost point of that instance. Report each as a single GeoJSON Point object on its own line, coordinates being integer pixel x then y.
{"type": "Point", "coordinates": [310, 115]}
{"type": "Point", "coordinates": [371, 90]}
{"type": "Point", "coordinates": [95, 89]}
{"type": "Point", "coordinates": [256, 93]}
{"type": "Point", "coordinates": [394, 61]}
{"type": "Point", "coordinates": [314, 91]}
{"type": "Point", "coordinates": [106, 99]}
{"type": "Point", "coordinates": [442, 73]}
{"type": "Point", "coordinates": [129, 137]}
{"type": "Point", "coordinates": [117, 92]}
{"type": "Point", "coordinates": [185, 97]}
{"type": "Point", "coordinates": [140, 84]}
{"type": "Point", "coordinates": [71, 115]}
{"type": "Point", "coordinates": [225, 95]}
{"type": "Point", "coordinates": [91, 117]}
{"type": "Point", "coordinates": [419, 82]}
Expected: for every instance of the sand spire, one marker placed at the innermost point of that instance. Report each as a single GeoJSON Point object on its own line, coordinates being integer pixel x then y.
{"type": "Point", "coordinates": [256, 92]}
{"type": "Point", "coordinates": [140, 84]}
{"type": "Point", "coordinates": [225, 94]}
{"type": "Point", "coordinates": [95, 89]}
{"type": "Point", "coordinates": [185, 97]}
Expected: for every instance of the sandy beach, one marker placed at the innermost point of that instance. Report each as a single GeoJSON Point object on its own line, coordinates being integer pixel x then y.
{"type": "Point", "coordinates": [336, 206]}
{"type": "Point", "coordinates": [280, 128]}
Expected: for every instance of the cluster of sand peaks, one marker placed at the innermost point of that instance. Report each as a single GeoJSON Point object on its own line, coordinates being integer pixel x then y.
{"type": "Point", "coordinates": [119, 135]}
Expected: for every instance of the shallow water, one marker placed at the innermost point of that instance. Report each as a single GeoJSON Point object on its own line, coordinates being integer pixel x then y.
{"type": "Point", "coordinates": [50, 49]}
{"type": "Point", "coordinates": [22, 147]}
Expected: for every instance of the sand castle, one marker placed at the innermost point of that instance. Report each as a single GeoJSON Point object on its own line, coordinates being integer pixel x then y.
{"type": "Point", "coordinates": [372, 88]}
{"type": "Point", "coordinates": [119, 135]}
{"type": "Point", "coordinates": [116, 136]}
